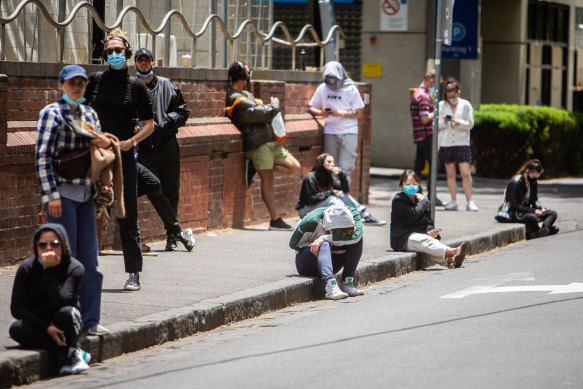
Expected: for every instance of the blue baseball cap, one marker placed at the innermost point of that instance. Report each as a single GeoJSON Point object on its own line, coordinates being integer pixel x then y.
{"type": "Point", "coordinates": [72, 71]}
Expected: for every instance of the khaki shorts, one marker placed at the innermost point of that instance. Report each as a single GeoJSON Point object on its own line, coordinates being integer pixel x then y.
{"type": "Point", "coordinates": [267, 155]}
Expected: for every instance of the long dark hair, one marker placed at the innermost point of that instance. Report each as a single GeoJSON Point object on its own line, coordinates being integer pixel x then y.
{"type": "Point", "coordinates": [533, 165]}
{"type": "Point", "coordinates": [409, 173]}
{"type": "Point", "coordinates": [325, 177]}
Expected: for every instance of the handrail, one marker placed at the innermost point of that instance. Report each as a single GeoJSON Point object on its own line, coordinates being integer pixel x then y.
{"type": "Point", "coordinates": [260, 36]}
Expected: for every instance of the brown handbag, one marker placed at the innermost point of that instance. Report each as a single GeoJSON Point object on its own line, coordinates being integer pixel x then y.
{"type": "Point", "coordinates": [74, 164]}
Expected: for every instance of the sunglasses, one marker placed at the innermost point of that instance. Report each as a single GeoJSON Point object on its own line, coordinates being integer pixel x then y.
{"type": "Point", "coordinates": [118, 50]}
{"type": "Point", "coordinates": [43, 245]}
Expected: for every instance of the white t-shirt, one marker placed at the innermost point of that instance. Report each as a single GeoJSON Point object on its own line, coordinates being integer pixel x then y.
{"type": "Point", "coordinates": [346, 99]}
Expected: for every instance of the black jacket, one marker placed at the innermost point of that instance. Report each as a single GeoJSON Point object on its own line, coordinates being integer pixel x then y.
{"type": "Point", "coordinates": [407, 218]}
{"type": "Point", "coordinates": [37, 293]}
{"type": "Point", "coordinates": [516, 196]}
{"type": "Point", "coordinates": [312, 193]}
{"type": "Point", "coordinates": [252, 119]}
{"type": "Point", "coordinates": [170, 111]}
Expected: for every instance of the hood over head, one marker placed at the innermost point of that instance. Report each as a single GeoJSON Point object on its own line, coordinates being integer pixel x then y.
{"type": "Point", "coordinates": [337, 216]}
{"type": "Point", "coordinates": [63, 238]}
{"type": "Point", "coordinates": [334, 68]}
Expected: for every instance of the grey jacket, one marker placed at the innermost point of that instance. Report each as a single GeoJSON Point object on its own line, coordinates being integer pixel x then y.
{"type": "Point", "coordinates": [252, 119]}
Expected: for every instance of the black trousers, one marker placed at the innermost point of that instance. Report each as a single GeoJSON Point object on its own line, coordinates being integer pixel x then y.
{"type": "Point", "coordinates": [129, 229]}
{"type": "Point", "coordinates": [531, 220]}
{"type": "Point", "coordinates": [67, 319]}
{"type": "Point", "coordinates": [424, 154]}
{"type": "Point", "coordinates": [164, 163]}
{"type": "Point", "coordinates": [147, 181]}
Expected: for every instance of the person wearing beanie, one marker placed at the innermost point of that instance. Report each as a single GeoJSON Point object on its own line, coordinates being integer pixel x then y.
{"type": "Point", "coordinates": [327, 240]}
{"type": "Point", "coordinates": [45, 300]}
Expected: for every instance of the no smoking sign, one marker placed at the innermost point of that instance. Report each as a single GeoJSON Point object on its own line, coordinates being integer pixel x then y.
{"type": "Point", "coordinates": [394, 15]}
{"type": "Point", "coordinates": [391, 7]}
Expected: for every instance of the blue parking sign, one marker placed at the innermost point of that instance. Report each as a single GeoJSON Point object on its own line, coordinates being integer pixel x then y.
{"type": "Point", "coordinates": [464, 32]}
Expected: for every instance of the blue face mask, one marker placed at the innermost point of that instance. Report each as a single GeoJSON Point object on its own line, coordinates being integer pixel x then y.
{"type": "Point", "coordinates": [432, 89]}
{"type": "Point", "coordinates": [70, 101]}
{"type": "Point", "coordinates": [145, 75]}
{"type": "Point", "coordinates": [116, 61]}
{"type": "Point", "coordinates": [411, 190]}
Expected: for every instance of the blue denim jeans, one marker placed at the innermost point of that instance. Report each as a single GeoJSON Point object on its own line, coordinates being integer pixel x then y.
{"type": "Point", "coordinates": [327, 264]}
{"type": "Point", "coordinates": [78, 218]}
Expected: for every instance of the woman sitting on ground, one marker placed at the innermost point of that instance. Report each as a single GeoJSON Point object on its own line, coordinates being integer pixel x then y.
{"type": "Point", "coordinates": [412, 228]}
{"type": "Point", "coordinates": [45, 300]}
{"type": "Point", "coordinates": [326, 185]}
{"type": "Point", "coordinates": [522, 194]}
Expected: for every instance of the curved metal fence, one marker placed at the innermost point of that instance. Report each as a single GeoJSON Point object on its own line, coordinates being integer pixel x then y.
{"type": "Point", "coordinates": [261, 37]}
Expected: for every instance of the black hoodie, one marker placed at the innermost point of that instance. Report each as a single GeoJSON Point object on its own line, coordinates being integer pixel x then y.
{"type": "Point", "coordinates": [39, 293]}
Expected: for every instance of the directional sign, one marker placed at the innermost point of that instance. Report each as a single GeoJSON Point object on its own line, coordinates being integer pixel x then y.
{"type": "Point", "coordinates": [394, 15]}
{"type": "Point", "coordinates": [574, 287]}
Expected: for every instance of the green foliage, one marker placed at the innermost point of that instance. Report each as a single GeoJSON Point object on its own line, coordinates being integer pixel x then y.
{"type": "Point", "coordinates": [506, 136]}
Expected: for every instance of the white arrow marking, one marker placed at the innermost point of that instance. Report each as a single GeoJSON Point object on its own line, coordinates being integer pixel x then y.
{"type": "Point", "coordinates": [574, 287]}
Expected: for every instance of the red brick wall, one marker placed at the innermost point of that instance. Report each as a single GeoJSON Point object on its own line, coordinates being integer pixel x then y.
{"type": "Point", "coordinates": [213, 194]}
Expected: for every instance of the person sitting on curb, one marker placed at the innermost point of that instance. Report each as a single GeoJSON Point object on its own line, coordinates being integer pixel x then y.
{"type": "Point", "coordinates": [522, 194]}
{"type": "Point", "coordinates": [45, 300]}
{"type": "Point", "coordinates": [253, 119]}
{"type": "Point", "coordinates": [412, 228]}
{"type": "Point", "coordinates": [326, 240]}
{"type": "Point", "coordinates": [327, 184]}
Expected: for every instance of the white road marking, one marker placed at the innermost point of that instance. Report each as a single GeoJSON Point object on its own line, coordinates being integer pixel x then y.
{"type": "Point", "coordinates": [574, 287]}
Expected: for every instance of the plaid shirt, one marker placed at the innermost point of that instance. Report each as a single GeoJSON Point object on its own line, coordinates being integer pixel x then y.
{"type": "Point", "coordinates": [421, 105]}
{"type": "Point", "coordinates": [56, 137]}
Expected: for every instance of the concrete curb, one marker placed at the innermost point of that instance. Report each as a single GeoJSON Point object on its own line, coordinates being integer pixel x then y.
{"type": "Point", "coordinates": [18, 367]}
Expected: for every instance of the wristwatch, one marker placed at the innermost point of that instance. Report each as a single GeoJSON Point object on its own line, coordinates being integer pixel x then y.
{"type": "Point", "coordinates": [134, 141]}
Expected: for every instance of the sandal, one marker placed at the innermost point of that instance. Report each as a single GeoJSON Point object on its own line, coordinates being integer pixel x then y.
{"type": "Point", "coordinates": [459, 258]}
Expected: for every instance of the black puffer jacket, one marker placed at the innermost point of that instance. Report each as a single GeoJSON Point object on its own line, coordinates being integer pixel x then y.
{"type": "Point", "coordinates": [252, 119]}
{"type": "Point", "coordinates": [516, 196]}
{"type": "Point", "coordinates": [312, 193]}
{"type": "Point", "coordinates": [39, 293]}
{"type": "Point", "coordinates": [407, 218]}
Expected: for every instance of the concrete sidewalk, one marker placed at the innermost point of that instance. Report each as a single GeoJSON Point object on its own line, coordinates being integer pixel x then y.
{"type": "Point", "coordinates": [233, 275]}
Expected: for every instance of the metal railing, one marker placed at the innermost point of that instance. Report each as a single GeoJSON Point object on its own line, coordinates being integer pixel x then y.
{"type": "Point", "coordinates": [261, 37]}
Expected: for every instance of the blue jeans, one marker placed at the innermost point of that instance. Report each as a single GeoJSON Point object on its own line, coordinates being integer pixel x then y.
{"type": "Point", "coordinates": [332, 200]}
{"type": "Point", "coordinates": [78, 218]}
{"type": "Point", "coordinates": [328, 263]}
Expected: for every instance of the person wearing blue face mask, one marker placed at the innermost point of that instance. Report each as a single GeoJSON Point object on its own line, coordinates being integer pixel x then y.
{"type": "Point", "coordinates": [412, 228]}
{"type": "Point", "coordinates": [118, 99]}
{"type": "Point", "coordinates": [67, 196]}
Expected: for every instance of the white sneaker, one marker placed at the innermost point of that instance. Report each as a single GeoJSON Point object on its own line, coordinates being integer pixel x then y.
{"type": "Point", "coordinates": [471, 206]}
{"type": "Point", "coordinates": [451, 206]}
{"type": "Point", "coordinates": [333, 292]}
{"type": "Point", "coordinates": [347, 286]}
{"type": "Point", "coordinates": [75, 362]}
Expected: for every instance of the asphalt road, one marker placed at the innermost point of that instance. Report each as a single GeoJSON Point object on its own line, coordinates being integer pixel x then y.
{"type": "Point", "coordinates": [510, 318]}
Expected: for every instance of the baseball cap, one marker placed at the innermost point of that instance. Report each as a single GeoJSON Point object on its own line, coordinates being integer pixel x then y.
{"type": "Point", "coordinates": [143, 51]}
{"type": "Point", "coordinates": [72, 71]}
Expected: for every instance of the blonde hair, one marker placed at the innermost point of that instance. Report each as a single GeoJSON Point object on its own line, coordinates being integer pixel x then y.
{"type": "Point", "coordinates": [117, 33]}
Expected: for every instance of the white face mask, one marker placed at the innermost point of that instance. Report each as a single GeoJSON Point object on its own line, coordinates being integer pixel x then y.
{"type": "Point", "coordinates": [453, 100]}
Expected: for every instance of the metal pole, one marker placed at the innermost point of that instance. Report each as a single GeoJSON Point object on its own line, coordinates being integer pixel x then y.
{"type": "Point", "coordinates": [193, 44]}
{"type": "Point", "coordinates": [167, 36]}
{"type": "Point", "coordinates": [61, 32]}
{"type": "Point", "coordinates": [213, 35]}
{"type": "Point", "coordinates": [438, 42]}
{"type": "Point", "coordinates": [224, 17]}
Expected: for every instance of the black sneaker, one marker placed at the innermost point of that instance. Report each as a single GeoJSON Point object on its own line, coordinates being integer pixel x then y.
{"type": "Point", "coordinates": [133, 283]}
{"type": "Point", "coordinates": [438, 202]}
{"type": "Point", "coordinates": [171, 244]}
{"type": "Point", "coordinates": [553, 230]}
{"type": "Point", "coordinates": [370, 219]}
{"type": "Point", "coordinates": [249, 171]}
{"type": "Point", "coordinates": [187, 239]}
{"type": "Point", "coordinates": [279, 224]}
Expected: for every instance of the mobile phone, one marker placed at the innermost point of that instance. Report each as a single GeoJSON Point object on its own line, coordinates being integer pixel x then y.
{"type": "Point", "coordinates": [327, 109]}
{"type": "Point", "coordinates": [448, 116]}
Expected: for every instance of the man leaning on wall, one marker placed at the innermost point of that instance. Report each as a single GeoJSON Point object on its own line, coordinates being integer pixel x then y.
{"type": "Point", "coordinates": [253, 119]}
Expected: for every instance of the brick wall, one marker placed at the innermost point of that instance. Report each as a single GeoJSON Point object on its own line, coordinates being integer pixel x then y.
{"type": "Point", "coordinates": [213, 193]}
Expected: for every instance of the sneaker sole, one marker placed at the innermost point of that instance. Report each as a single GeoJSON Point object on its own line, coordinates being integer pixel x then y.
{"type": "Point", "coordinates": [131, 288]}
{"type": "Point", "coordinates": [340, 297]}
{"type": "Point", "coordinates": [279, 229]}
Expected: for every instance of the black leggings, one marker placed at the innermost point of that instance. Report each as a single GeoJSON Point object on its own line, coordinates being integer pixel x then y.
{"type": "Point", "coordinates": [531, 220]}
{"type": "Point", "coordinates": [67, 319]}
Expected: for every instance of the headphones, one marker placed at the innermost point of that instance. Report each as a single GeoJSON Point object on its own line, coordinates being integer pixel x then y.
{"type": "Point", "coordinates": [126, 46]}
{"type": "Point", "coordinates": [239, 73]}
